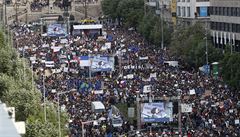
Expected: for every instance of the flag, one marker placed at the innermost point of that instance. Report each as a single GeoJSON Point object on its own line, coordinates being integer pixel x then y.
{"type": "Point", "coordinates": [110, 113]}
{"type": "Point", "coordinates": [233, 37]}
{"type": "Point", "coordinates": [49, 64]}
{"type": "Point", "coordinates": [225, 38]}
{"type": "Point", "coordinates": [221, 40]}
{"type": "Point", "coordinates": [213, 34]}
{"type": "Point", "coordinates": [84, 61]}
{"type": "Point", "coordinates": [229, 38]}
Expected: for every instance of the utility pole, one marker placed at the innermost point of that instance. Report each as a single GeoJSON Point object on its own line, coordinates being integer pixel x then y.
{"type": "Point", "coordinates": [44, 98]}
{"type": "Point", "coordinates": [59, 118]}
{"type": "Point", "coordinates": [85, 9]}
{"type": "Point", "coordinates": [206, 43]}
{"type": "Point", "coordinates": [162, 42]}
{"type": "Point", "coordinates": [32, 76]}
{"type": "Point", "coordinates": [145, 7]}
{"type": "Point", "coordinates": [41, 25]}
{"type": "Point", "coordinates": [138, 112]}
{"type": "Point", "coordinates": [90, 69]}
{"type": "Point", "coordinates": [179, 113]}
{"type": "Point", "coordinates": [68, 24]}
{"type": "Point", "coordinates": [5, 3]}
{"type": "Point", "coordinates": [59, 112]}
{"type": "Point", "coordinates": [16, 4]}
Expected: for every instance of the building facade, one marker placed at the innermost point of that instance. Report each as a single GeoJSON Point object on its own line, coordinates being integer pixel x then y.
{"type": "Point", "coordinates": [225, 23]}
{"type": "Point", "coordinates": [189, 11]}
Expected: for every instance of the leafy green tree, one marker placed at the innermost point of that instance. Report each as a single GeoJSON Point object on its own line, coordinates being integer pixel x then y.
{"type": "Point", "coordinates": [17, 92]}
{"type": "Point", "coordinates": [230, 69]}
{"type": "Point", "coordinates": [109, 8]}
{"type": "Point", "coordinates": [38, 128]}
{"type": "Point", "coordinates": [189, 44]}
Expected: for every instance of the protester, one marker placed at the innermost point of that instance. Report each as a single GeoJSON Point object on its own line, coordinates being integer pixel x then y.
{"type": "Point", "coordinates": [137, 64]}
{"type": "Point", "coordinates": [37, 5]}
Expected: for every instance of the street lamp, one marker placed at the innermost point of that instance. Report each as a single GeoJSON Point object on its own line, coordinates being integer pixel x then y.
{"type": "Point", "coordinates": [44, 98]}
{"type": "Point", "coordinates": [179, 111]}
{"type": "Point", "coordinates": [59, 116]}
{"type": "Point", "coordinates": [160, 12]}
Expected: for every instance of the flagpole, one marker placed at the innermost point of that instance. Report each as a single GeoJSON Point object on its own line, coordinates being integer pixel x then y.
{"type": "Point", "coordinates": [90, 70]}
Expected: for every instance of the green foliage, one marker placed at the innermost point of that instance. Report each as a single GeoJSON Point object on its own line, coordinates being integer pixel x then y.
{"type": "Point", "coordinates": [16, 91]}
{"type": "Point", "coordinates": [38, 128]}
{"type": "Point", "coordinates": [131, 13]}
{"type": "Point", "coordinates": [189, 44]}
{"type": "Point", "coordinates": [230, 69]}
{"type": "Point", "coordinates": [109, 8]}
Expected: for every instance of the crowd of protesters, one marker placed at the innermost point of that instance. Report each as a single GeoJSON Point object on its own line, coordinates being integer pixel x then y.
{"type": "Point", "coordinates": [37, 5]}
{"type": "Point", "coordinates": [137, 64]}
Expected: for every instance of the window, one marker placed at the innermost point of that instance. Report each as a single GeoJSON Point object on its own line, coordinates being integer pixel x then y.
{"type": "Point", "coordinates": [213, 10]}
{"type": "Point", "coordinates": [188, 12]}
{"type": "Point", "coordinates": [229, 11]}
{"type": "Point", "coordinates": [184, 11]}
{"type": "Point", "coordinates": [234, 28]}
{"type": "Point", "coordinates": [238, 12]}
{"type": "Point", "coordinates": [220, 10]}
{"type": "Point", "coordinates": [217, 10]}
{"type": "Point", "coordinates": [238, 28]}
{"type": "Point", "coordinates": [178, 11]}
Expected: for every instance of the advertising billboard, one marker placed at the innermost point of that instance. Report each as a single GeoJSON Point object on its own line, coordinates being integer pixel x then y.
{"type": "Point", "coordinates": [157, 112]}
{"type": "Point", "coordinates": [102, 63]}
{"type": "Point", "coordinates": [56, 30]}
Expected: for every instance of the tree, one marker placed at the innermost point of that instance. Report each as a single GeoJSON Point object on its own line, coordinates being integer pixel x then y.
{"type": "Point", "coordinates": [230, 69]}
{"type": "Point", "coordinates": [189, 44]}
{"type": "Point", "coordinates": [18, 93]}
{"type": "Point", "coordinates": [109, 8]}
{"type": "Point", "coordinates": [39, 129]}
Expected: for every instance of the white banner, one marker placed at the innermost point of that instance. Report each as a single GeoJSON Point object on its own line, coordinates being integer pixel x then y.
{"type": "Point", "coordinates": [49, 64]}
{"type": "Point", "coordinates": [56, 49]}
{"type": "Point", "coordinates": [130, 76]}
{"type": "Point", "coordinates": [186, 108]}
{"type": "Point", "coordinates": [143, 58]}
{"type": "Point", "coordinates": [192, 92]}
{"type": "Point", "coordinates": [98, 91]}
{"type": "Point", "coordinates": [32, 58]}
{"type": "Point", "coordinates": [217, 37]}
{"type": "Point", "coordinates": [147, 89]}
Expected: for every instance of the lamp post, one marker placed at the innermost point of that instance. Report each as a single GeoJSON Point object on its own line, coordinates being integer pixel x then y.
{"type": "Point", "coordinates": [44, 98]}
{"type": "Point", "coordinates": [179, 112]}
{"type": "Point", "coordinates": [5, 13]}
{"type": "Point", "coordinates": [138, 112]}
{"type": "Point", "coordinates": [206, 43]}
{"type": "Point", "coordinates": [16, 5]}
{"type": "Point", "coordinates": [59, 115]}
{"type": "Point", "coordinates": [83, 123]}
{"type": "Point", "coordinates": [41, 19]}
{"type": "Point", "coordinates": [162, 43]}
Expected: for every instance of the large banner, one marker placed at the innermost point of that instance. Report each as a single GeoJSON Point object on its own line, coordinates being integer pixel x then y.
{"type": "Point", "coordinates": [203, 11]}
{"type": "Point", "coordinates": [56, 30]}
{"type": "Point", "coordinates": [102, 63]}
{"type": "Point", "coordinates": [157, 112]}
